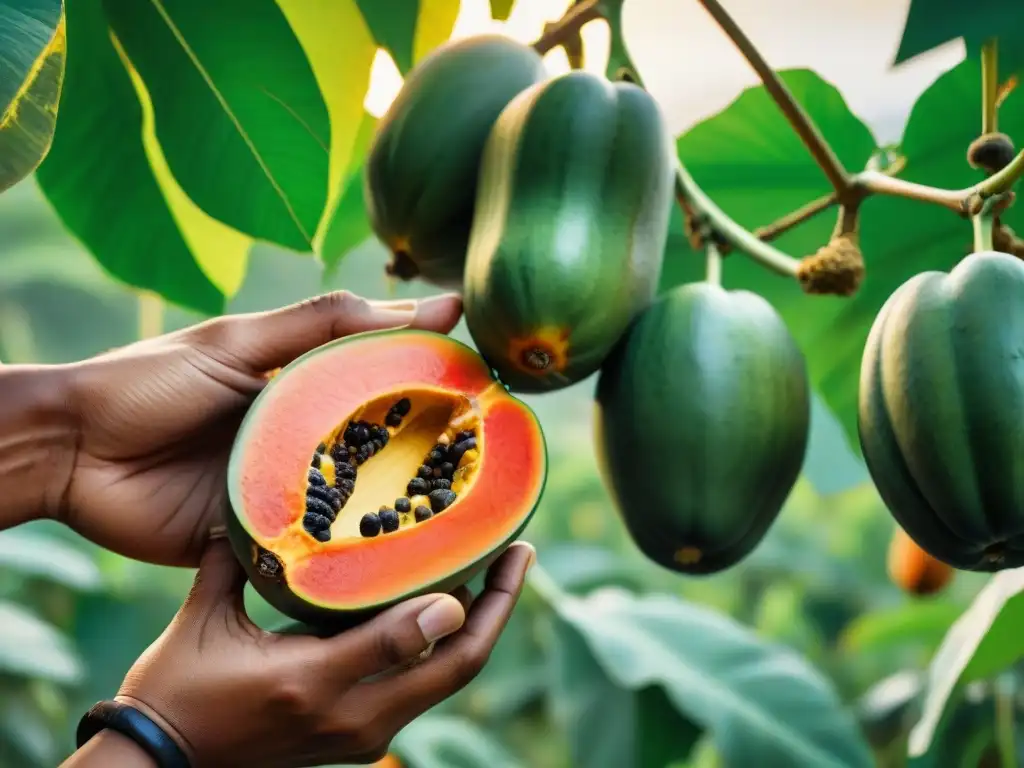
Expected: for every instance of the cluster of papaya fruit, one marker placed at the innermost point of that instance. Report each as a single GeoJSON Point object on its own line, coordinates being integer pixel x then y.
{"type": "Point", "coordinates": [545, 200]}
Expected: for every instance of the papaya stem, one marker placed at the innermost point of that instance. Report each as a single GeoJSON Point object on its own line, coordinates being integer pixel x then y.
{"type": "Point", "coordinates": [798, 118]}
{"type": "Point", "coordinates": [713, 269]}
{"type": "Point", "coordinates": [704, 212]}
{"type": "Point", "coordinates": [984, 230]}
{"type": "Point", "coordinates": [567, 28]}
{"type": "Point", "coordinates": [990, 86]}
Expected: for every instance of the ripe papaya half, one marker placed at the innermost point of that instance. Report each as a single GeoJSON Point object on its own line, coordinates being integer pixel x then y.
{"type": "Point", "coordinates": [912, 569]}
{"type": "Point", "coordinates": [576, 189]}
{"type": "Point", "coordinates": [941, 411]}
{"type": "Point", "coordinates": [420, 174]}
{"type": "Point", "coordinates": [703, 412]}
{"type": "Point", "coordinates": [376, 468]}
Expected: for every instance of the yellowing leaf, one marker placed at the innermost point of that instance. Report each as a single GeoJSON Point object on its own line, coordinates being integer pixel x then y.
{"type": "Point", "coordinates": [340, 49]}
{"type": "Point", "coordinates": [434, 26]}
{"type": "Point", "coordinates": [221, 252]}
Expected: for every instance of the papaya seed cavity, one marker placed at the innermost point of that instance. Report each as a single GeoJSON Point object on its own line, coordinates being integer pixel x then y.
{"type": "Point", "coordinates": [392, 428]}
{"type": "Point", "coordinates": [268, 565]}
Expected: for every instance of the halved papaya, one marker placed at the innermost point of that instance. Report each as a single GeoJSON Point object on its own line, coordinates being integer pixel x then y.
{"type": "Point", "coordinates": [376, 468]}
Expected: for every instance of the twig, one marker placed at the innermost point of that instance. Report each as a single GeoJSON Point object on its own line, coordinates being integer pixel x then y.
{"type": "Point", "coordinates": [706, 213]}
{"type": "Point", "coordinates": [563, 30]}
{"type": "Point", "coordinates": [782, 225]}
{"type": "Point", "coordinates": [795, 114]}
{"type": "Point", "coordinates": [990, 86]}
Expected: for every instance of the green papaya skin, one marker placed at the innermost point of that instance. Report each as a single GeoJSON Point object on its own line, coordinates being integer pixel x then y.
{"type": "Point", "coordinates": [941, 411]}
{"type": "Point", "coordinates": [572, 215]}
{"type": "Point", "coordinates": [420, 174]}
{"type": "Point", "coordinates": [703, 414]}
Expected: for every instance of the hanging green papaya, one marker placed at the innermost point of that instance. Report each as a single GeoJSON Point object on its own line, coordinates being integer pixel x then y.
{"type": "Point", "coordinates": [703, 412]}
{"type": "Point", "coordinates": [941, 411]}
{"type": "Point", "coordinates": [420, 173]}
{"type": "Point", "coordinates": [576, 188]}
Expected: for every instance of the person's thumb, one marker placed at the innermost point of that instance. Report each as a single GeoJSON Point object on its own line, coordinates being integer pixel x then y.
{"type": "Point", "coordinates": [396, 637]}
{"type": "Point", "coordinates": [268, 340]}
{"type": "Point", "coordinates": [220, 580]}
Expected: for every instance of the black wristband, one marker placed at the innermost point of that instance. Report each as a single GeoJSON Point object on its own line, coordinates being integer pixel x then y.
{"type": "Point", "coordinates": [136, 726]}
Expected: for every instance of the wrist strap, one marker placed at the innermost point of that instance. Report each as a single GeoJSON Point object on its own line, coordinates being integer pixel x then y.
{"type": "Point", "coordinates": [132, 723]}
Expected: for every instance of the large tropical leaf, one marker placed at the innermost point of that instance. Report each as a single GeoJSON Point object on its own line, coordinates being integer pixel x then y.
{"type": "Point", "coordinates": [32, 44]}
{"type": "Point", "coordinates": [983, 641]}
{"type": "Point", "coordinates": [762, 704]}
{"type": "Point", "coordinates": [930, 23]}
{"type": "Point", "coordinates": [37, 555]}
{"type": "Point", "coordinates": [443, 741]}
{"type": "Point", "coordinates": [410, 29]}
{"type": "Point", "coordinates": [751, 163]}
{"type": "Point", "coordinates": [99, 179]}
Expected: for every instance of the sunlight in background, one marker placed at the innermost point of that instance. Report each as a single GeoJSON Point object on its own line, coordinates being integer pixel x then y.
{"type": "Point", "coordinates": [526, 23]}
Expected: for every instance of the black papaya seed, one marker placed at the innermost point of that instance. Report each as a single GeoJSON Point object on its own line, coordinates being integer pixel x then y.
{"type": "Point", "coordinates": [369, 524]}
{"type": "Point", "coordinates": [441, 499]}
{"type": "Point", "coordinates": [316, 477]}
{"type": "Point", "coordinates": [392, 419]}
{"type": "Point", "coordinates": [345, 471]}
{"type": "Point", "coordinates": [402, 505]}
{"type": "Point", "coordinates": [351, 435]}
{"type": "Point", "coordinates": [437, 455]}
{"type": "Point", "coordinates": [370, 448]}
{"type": "Point", "coordinates": [322, 448]}
{"type": "Point", "coordinates": [447, 469]}
{"type": "Point", "coordinates": [321, 492]}
{"type": "Point", "coordinates": [402, 407]}
{"type": "Point", "coordinates": [417, 487]}
{"type": "Point", "coordinates": [464, 435]}
{"type": "Point", "coordinates": [442, 483]}
{"type": "Point", "coordinates": [424, 471]}
{"type": "Point", "coordinates": [347, 485]}
{"type": "Point", "coordinates": [423, 513]}
{"type": "Point", "coordinates": [383, 436]}
{"type": "Point", "coordinates": [314, 521]}
{"type": "Point", "coordinates": [315, 463]}
{"type": "Point", "coordinates": [313, 504]}
{"type": "Point", "coordinates": [389, 521]}
{"type": "Point", "coordinates": [378, 446]}
{"type": "Point", "coordinates": [363, 432]}
{"type": "Point", "coordinates": [339, 452]}
{"type": "Point", "coordinates": [323, 535]}
{"type": "Point", "coordinates": [460, 448]}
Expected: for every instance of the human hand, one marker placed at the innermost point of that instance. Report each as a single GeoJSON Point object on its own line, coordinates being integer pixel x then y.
{"type": "Point", "coordinates": [157, 418]}
{"type": "Point", "coordinates": [232, 694]}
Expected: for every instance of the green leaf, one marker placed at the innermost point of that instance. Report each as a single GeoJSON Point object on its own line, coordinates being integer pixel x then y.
{"type": "Point", "coordinates": [349, 225]}
{"type": "Point", "coordinates": [26, 728]}
{"type": "Point", "coordinates": [608, 725]}
{"type": "Point", "coordinates": [444, 741]}
{"type": "Point", "coordinates": [340, 50]}
{"type": "Point", "coordinates": [410, 29]}
{"type": "Point", "coordinates": [98, 176]}
{"type": "Point", "coordinates": [32, 45]}
{"type": "Point", "coordinates": [922, 622]}
{"type": "Point", "coordinates": [931, 23]}
{"type": "Point", "coordinates": [30, 647]}
{"type": "Point", "coordinates": [983, 641]}
{"type": "Point", "coordinates": [501, 9]}
{"type": "Point", "coordinates": [763, 704]}
{"type": "Point", "coordinates": [248, 144]}
{"type": "Point", "coordinates": [34, 554]}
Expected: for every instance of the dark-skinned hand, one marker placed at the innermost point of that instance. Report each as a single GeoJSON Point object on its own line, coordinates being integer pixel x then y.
{"type": "Point", "coordinates": [156, 419]}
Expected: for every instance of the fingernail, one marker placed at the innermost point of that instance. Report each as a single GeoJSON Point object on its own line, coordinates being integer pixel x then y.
{"type": "Point", "coordinates": [441, 298]}
{"type": "Point", "coordinates": [402, 311]}
{"type": "Point", "coordinates": [442, 617]}
{"type": "Point", "coordinates": [533, 554]}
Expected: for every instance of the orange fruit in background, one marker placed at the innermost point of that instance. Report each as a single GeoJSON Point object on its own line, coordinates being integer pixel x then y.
{"type": "Point", "coordinates": [389, 760]}
{"type": "Point", "coordinates": [913, 570]}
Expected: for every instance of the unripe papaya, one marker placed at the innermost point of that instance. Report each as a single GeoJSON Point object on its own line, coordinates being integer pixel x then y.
{"type": "Point", "coordinates": [941, 411]}
{"type": "Point", "coordinates": [912, 569]}
{"type": "Point", "coordinates": [576, 188]}
{"type": "Point", "coordinates": [420, 175]}
{"type": "Point", "coordinates": [703, 411]}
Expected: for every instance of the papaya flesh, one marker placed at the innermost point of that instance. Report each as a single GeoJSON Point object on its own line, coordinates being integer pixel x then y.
{"type": "Point", "coordinates": [703, 412]}
{"type": "Point", "coordinates": [913, 570]}
{"type": "Point", "coordinates": [941, 411]}
{"type": "Point", "coordinates": [576, 189]}
{"type": "Point", "coordinates": [420, 174]}
{"type": "Point", "coordinates": [376, 468]}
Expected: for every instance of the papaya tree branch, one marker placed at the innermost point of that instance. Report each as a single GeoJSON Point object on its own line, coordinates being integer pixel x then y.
{"type": "Point", "coordinates": [795, 114]}
{"type": "Point", "coordinates": [568, 27]}
{"type": "Point", "coordinates": [705, 213]}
